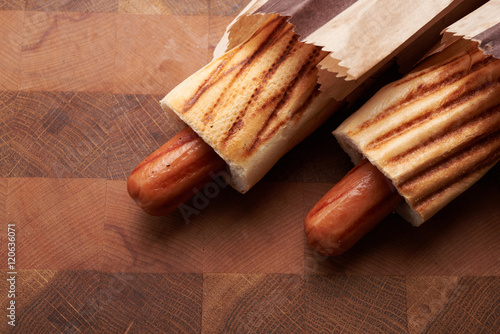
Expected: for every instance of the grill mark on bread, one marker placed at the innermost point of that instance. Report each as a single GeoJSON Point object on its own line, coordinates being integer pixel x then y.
{"type": "Point", "coordinates": [422, 90]}
{"type": "Point", "coordinates": [284, 97]}
{"type": "Point", "coordinates": [212, 78]}
{"type": "Point", "coordinates": [421, 73]}
{"type": "Point", "coordinates": [448, 160]}
{"type": "Point", "coordinates": [220, 71]}
{"type": "Point", "coordinates": [310, 65]}
{"type": "Point", "coordinates": [299, 111]}
{"type": "Point", "coordinates": [267, 133]}
{"type": "Point", "coordinates": [470, 53]}
{"type": "Point", "coordinates": [491, 141]}
{"type": "Point", "coordinates": [451, 131]}
{"type": "Point", "coordinates": [491, 160]}
{"type": "Point", "coordinates": [238, 123]}
{"type": "Point", "coordinates": [278, 33]}
{"type": "Point", "coordinates": [457, 98]}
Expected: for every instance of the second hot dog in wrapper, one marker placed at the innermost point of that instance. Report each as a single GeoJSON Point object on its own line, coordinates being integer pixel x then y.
{"type": "Point", "coordinates": [436, 132]}
{"type": "Point", "coordinates": [274, 81]}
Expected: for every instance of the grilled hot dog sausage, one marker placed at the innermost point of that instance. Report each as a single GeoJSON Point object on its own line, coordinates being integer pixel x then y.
{"type": "Point", "coordinates": [350, 209]}
{"type": "Point", "coordinates": [173, 173]}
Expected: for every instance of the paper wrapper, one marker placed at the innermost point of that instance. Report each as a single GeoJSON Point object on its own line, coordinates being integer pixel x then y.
{"type": "Point", "coordinates": [436, 132]}
{"type": "Point", "coordinates": [361, 38]}
{"type": "Point", "coordinates": [362, 35]}
{"type": "Point", "coordinates": [482, 26]}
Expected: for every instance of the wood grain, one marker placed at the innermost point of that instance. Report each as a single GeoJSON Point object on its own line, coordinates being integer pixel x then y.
{"type": "Point", "coordinates": [7, 111]}
{"type": "Point", "coordinates": [138, 127]}
{"type": "Point", "coordinates": [90, 301]}
{"type": "Point", "coordinates": [68, 51]}
{"type": "Point", "coordinates": [380, 252]}
{"type": "Point", "coordinates": [427, 297]}
{"type": "Point", "coordinates": [80, 83]}
{"type": "Point", "coordinates": [94, 302]}
{"type": "Point", "coordinates": [11, 24]}
{"type": "Point", "coordinates": [226, 7]}
{"type": "Point", "coordinates": [222, 12]}
{"type": "Point", "coordinates": [259, 232]}
{"type": "Point", "coordinates": [72, 6]}
{"type": "Point", "coordinates": [7, 106]}
{"type": "Point", "coordinates": [3, 223]}
{"type": "Point", "coordinates": [151, 303]}
{"type": "Point", "coordinates": [59, 222]}
{"type": "Point", "coordinates": [217, 27]}
{"type": "Point", "coordinates": [59, 134]}
{"type": "Point", "coordinates": [239, 303]}
{"type": "Point", "coordinates": [461, 239]}
{"type": "Point", "coordinates": [51, 300]}
{"type": "Point", "coordinates": [136, 242]}
{"type": "Point", "coordinates": [151, 7]}
{"type": "Point", "coordinates": [156, 64]}
{"type": "Point", "coordinates": [12, 4]}
{"type": "Point", "coordinates": [3, 199]}
{"type": "Point", "coordinates": [357, 304]}
{"type": "Point", "coordinates": [164, 7]}
{"type": "Point", "coordinates": [458, 241]}
{"type": "Point", "coordinates": [4, 302]}
{"type": "Point", "coordinates": [436, 303]}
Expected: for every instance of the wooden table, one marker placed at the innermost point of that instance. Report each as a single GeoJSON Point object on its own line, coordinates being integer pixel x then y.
{"type": "Point", "coordinates": [80, 83]}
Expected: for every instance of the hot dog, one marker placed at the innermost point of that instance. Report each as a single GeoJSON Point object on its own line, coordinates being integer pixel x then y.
{"type": "Point", "coordinates": [173, 173]}
{"type": "Point", "coordinates": [350, 209]}
{"type": "Point", "coordinates": [428, 137]}
{"type": "Point", "coordinates": [257, 101]}
{"type": "Point", "coordinates": [249, 107]}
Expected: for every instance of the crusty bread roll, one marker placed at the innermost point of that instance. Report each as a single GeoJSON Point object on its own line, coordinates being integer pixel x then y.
{"type": "Point", "coordinates": [433, 133]}
{"type": "Point", "coordinates": [256, 102]}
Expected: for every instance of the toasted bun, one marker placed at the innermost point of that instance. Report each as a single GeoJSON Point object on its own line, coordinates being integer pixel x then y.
{"type": "Point", "coordinates": [256, 102]}
{"type": "Point", "coordinates": [433, 133]}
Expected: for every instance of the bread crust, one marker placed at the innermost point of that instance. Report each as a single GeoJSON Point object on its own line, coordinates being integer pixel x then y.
{"type": "Point", "coordinates": [433, 133]}
{"type": "Point", "coordinates": [256, 102]}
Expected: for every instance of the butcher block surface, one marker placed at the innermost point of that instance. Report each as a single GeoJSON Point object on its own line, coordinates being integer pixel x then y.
{"type": "Point", "coordinates": [80, 84]}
